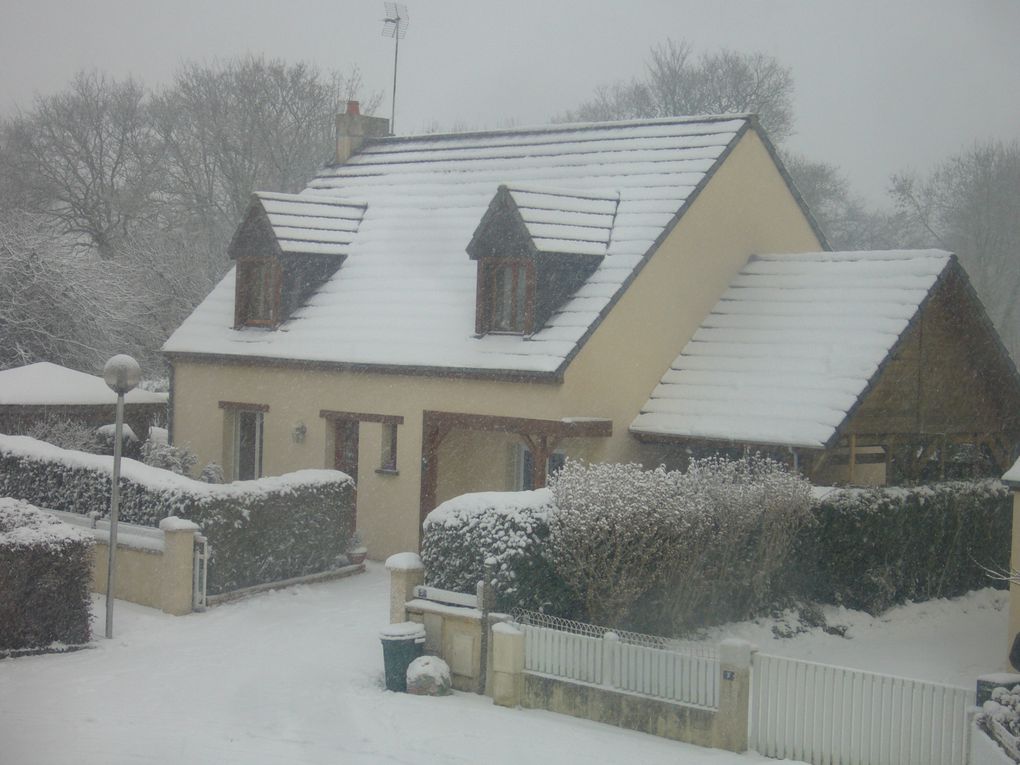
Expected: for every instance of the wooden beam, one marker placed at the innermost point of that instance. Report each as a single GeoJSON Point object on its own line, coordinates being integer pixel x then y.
{"type": "Point", "coordinates": [392, 419]}
{"type": "Point", "coordinates": [568, 427]}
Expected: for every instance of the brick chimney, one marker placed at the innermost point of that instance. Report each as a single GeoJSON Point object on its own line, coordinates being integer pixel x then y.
{"type": "Point", "coordinates": [352, 128]}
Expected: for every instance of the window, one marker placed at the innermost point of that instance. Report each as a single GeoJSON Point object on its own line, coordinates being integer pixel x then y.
{"type": "Point", "coordinates": [524, 463]}
{"type": "Point", "coordinates": [247, 445]}
{"type": "Point", "coordinates": [388, 459]}
{"type": "Point", "coordinates": [505, 292]}
{"type": "Point", "coordinates": [257, 293]}
{"type": "Point", "coordinates": [243, 426]}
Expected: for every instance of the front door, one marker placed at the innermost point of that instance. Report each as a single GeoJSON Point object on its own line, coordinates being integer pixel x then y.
{"type": "Point", "coordinates": [345, 457]}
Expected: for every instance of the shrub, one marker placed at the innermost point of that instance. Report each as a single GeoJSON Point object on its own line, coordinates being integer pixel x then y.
{"type": "Point", "coordinates": [512, 527]}
{"type": "Point", "coordinates": [873, 548]}
{"type": "Point", "coordinates": [176, 459]}
{"type": "Point", "coordinates": [666, 552]}
{"type": "Point", "coordinates": [260, 531]}
{"type": "Point", "coordinates": [45, 566]}
{"type": "Point", "coordinates": [67, 434]}
{"type": "Point", "coordinates": [614, 531]}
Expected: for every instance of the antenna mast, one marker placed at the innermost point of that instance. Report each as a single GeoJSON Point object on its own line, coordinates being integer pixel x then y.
{"type": "Point", "coordinates": [395, 26]}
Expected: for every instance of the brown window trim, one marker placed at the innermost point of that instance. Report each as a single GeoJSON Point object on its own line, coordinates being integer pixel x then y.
{"type": "Point", "coordinates": [329, 414]}
{"type": "Point", "coordinates": [235, 405]}
{"type": "Point", "coordinates": [242, 292]}
{"type": "Point", "coordinates": [484, 291]}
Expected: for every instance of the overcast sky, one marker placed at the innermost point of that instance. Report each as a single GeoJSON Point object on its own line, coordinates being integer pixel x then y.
{"type": "Point", "coordinates": [881, 85]}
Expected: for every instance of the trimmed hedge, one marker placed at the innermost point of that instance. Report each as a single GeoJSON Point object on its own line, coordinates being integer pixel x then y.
{"type": "Point", "coordinates": [867, 549]}
{"type": "Point", "coordinates": [512, 527]}
{"type": "Point", "coordinates": [870, 549]}
{"type": "Point", "coordinates": [260, 531]}
{"type": "Point", "coordinates": [45, 566]}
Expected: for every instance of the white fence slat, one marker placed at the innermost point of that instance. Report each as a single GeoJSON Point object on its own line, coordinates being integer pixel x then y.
{"type": "Point", "coordinates": [829, 715]}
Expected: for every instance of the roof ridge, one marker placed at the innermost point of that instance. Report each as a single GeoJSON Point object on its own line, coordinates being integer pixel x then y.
{"type": "Point", "coordinates": [565, 127]}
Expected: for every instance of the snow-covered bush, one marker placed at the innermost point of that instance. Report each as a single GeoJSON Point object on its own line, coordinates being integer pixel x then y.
{"type": "Point", "coordinates": [511, 527]}
{"type": "Point", "coordinates": [873, 548]}
{"type": "Point", "coordinates": [260, 531]}
{"type": "Point", "coordinates": [614, 535]}
{"type": "Point", "coordinates": [1000, 718]}
{"type": "Point", "coordinates": [67, 434]}
{"type": "Point", "coordinates": [669, 551]}
{"type": "Point", "coordinates": [45, 567]}
{"type": "Point", "coordinates": [176, 459]}
{"type": "Point", "coordinates": [212, 473]}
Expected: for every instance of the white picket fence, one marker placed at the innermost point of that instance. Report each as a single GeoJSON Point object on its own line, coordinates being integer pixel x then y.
{"type": "Point", "coordinates": [666, 669]}
{"type": "Point", "coordinates": [828, 715]}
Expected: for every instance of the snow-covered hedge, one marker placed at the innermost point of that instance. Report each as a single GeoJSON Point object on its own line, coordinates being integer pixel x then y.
{"type": "Point", "coordinates": [260, 531]}
{"type": "Point", "coordinates": [873, 548]}
{"type": "Point", "coordinates": [511, 527]}
{"type": "Point", "coordinates": [668, 551]}
{"type": "Point", "coordinates": [44, 578]}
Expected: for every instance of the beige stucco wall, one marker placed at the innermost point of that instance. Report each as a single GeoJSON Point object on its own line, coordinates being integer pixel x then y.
{"type": "Point", "coordinates": [746, 208]}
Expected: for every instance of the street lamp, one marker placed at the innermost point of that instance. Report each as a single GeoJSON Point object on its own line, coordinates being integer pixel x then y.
{"type": "Point", "coordinates": [121, 373]}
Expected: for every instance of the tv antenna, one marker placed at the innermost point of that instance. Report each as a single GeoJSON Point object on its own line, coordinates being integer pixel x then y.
{"type": "Point", "coordinates": [395, 26]}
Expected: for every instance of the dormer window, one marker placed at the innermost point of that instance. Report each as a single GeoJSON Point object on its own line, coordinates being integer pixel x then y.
{"type": "Point", "coordinates": [534, 250]}
{"type": "Point", "coordinates": [286, 247]}
{"type": "Point", "coordinates": [257, 302]}
{"type": "Point", "coordinates": [511, 294]}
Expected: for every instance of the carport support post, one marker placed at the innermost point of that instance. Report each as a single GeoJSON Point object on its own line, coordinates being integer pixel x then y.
{"type": "Point", "coordinates": [730, 729]}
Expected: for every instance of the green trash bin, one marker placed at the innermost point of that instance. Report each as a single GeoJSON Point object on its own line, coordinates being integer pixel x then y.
{"type": "Point", "coordinates": [402, 643]}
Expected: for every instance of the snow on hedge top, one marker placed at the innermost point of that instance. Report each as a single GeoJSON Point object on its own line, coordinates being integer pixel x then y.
{"type": "Point", "coordinates": [25, 525]}
{"type": "Point", "coordinates": [157, 478]}
{"type": "Point", "coordinates": [51, 384]}
{"type": "Point", "coordinates": [790, 346]}
{"type": "Point", "coordinates": [310, 225]}
{"type": "Point", "coordinates": [456, 511]}
{"type": "Point", "coordinates": [405, 295]}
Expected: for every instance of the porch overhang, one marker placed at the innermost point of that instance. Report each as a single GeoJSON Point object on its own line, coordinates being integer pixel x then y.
{"type": "Point", "coordinates": [541, 436]}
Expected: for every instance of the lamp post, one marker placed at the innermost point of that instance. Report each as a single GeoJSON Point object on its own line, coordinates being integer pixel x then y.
{"type": "Point", "coordinates": [121, 373]}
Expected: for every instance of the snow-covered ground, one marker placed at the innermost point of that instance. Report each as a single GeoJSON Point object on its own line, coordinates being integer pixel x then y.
{"type": "Point", "coordinates": [295, 676]}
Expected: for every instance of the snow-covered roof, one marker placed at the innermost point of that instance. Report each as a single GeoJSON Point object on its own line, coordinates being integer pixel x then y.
{"type": "Point", "coordinates": [49, 384]}
{"type": "Point", "coordinates": [565, 221]}
{"type": "Point", "coordinates": [311, 225]}
{"type": "Point", "coordinates": [791, 346]}
{"type": "Point", "coordinates": [405, 295]}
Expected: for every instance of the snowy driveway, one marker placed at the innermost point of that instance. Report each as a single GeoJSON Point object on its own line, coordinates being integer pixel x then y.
{"type": "Point", "coordinates": [293, 676]}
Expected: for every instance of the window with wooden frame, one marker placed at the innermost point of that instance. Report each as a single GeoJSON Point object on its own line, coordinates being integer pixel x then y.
{"type": "Point", "coordinates": [244, 431]}
{"type": "Point", "coordinates": [388, 458]}
{"type": "Point", "coordinates": [506, 296]}
{"type": "Point", "coordinates": [257, 293]}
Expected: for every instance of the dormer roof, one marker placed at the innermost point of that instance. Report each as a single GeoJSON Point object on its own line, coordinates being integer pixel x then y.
{"type": "Point", "coordinates": [555, 220]}
{"type": "Point", "coordinates": [304, 224]}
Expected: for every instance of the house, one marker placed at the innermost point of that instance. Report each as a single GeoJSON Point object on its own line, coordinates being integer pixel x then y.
{"type": "Point", "coordinates": [43, 390]}
{"type": "Point", "coordinates": [1012, 480]}
{"type": "Point", "coordinates": [450, 313]}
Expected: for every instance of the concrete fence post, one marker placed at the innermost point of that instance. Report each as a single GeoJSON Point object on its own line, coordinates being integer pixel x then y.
{"type": "Point", "coordinates": [730, 728]}
{"type": "Point", "coordinates": [177, 566]}
{"type": "Point", "coordinates": [610, 648]}
{"type": "Point", "coordinates": [507, 665]}
{"type": "Point", "coordinates": [406, 573]}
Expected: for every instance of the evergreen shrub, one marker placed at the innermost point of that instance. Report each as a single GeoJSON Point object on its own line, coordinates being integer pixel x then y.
{"type": "Point", "coordinates": [45, 567]}
{"type": "Point", "coordinates": [259, 531]}
{"type": "Point", "coordinates": [511, 527]}
{"type": "Point", "coordinates": [872, 548]}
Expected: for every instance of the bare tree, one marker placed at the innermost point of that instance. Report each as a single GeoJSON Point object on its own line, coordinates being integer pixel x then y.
{"type": "Point", "coordinates": [85, 158]}
{"type": "Point", "coordinates": [57, 305]}
{"type": "Point", "coordinates": [231, 128]}
{"type": "Point", "coordinates": [676, 84]}
{"type": "Point", "coordinates": [970, 204]}
{"type": "Point", "coordinates": [848, 221]}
